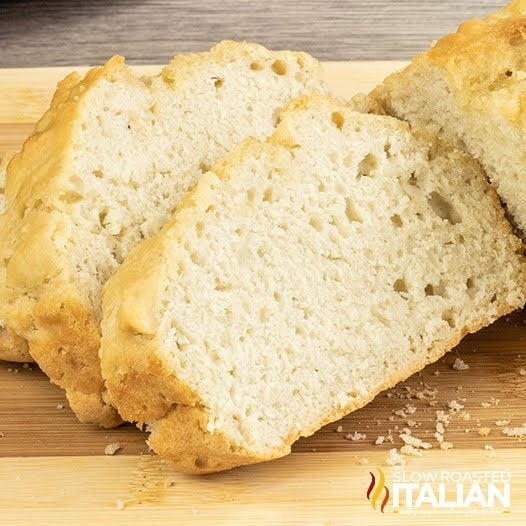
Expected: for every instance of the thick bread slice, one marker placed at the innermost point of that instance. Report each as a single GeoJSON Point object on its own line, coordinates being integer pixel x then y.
{"type": "Point", "coordinates": [12, 347]}
{"type": "Point", "coordinates": [470, 87]}
{"type": "Point", "coordinates": [109, 162]}
{"type": "Point", "coordinates": [302, 276]}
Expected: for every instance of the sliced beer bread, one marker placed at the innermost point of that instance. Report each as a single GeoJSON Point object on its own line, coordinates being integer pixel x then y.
{"type": "Point", "coordinates": [106, 168]}
{"type": "Point", "coordinates": [470, 87]}
{"type": "Point", "coordinates": [302, 276]}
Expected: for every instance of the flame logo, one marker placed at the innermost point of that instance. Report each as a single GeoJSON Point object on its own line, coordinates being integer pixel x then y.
{"type": "Point", "coordinates": [378, 490]}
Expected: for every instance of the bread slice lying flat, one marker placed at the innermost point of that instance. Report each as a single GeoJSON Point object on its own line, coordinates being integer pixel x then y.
{"type": "Point", "coordinates": [109, 162]}
{"type": "Point", "coordinates": [302, 276]}
{"type": "Point", "coordinates": [470, 88]}
{"type": "Point", "coordinates": [12, 347]}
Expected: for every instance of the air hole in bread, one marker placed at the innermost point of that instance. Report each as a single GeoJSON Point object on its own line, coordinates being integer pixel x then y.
{"type": "Point", "coordinates": [443, 208]}
{"type": "Point", "coordinates": [279, 67]}
{"type": "Point", "coordinates": [218, 82]}
{"type": "Point", "coordinates": [199, 226]}
{"type": "Point", "coordinates": [447, 316]}
{"type": "Point", "coordinates": [251, 195]}
{"type": "Point", "coordinates": [367, 165]}
{"type": "Point", "coordinates": [264, 315]}
{"type": "Point", "coordinates": [102, 217]}
{"type": "Point", "coordinates": [338, 119]}
{"type": "Point", "coordinates": [316, 223]}
{"type": "Point", "coordinates": [261, 252]}
{"type": "Point", "coordinates": [204, 167]}
{"type": "Point", "coordinates": [400, 286]}
{"type": "Point", "coordinates": [429, 290]}
{"type": "Point", "coordinates": [71, 197]}
{"type": "Point", "coordinates": [470, 287]}
{"type": "Point", "coordinates": [493, 298]}
{"type": "Point", "coordinates": [351, 212]}
{"type": "Point", "coordinates": [256, 66]}
{"type": "Point", "coordinates": [509, 73]}
{"type": "Point", "coordinates": [220, 286]}
{"type": "Point", "coordinates": [277, 296]}
{"type": "Point", "coordinates": [387, 149]}
{"type": "Point", "coordinates": [435, 290]}
{"type": "Point", "coordinates": [268, 195]}
{"type": "Point", "coordinates": [397, 221]}
{"type": "Point", "coordinates": [98, 174]}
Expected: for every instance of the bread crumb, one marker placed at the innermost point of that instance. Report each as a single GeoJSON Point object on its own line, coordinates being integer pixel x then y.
{"type": "Point", "coordinates": [394, 458]}
{"type": "Point", "coordinates": [515, 431]}
{"type": "Point", "coordinates": [440, 428]}
{"type": "Point", "coordinates": [60, 406]}
{"type": "Point", "coordinates": [443, 417]}
{"type": "Point", "coordinates": [379, 440]}
{"type": "Point", "coordinates": [363, 461]}
{"type": "Point", "coordinates": [354, 436]}
{"type": "Point", "coordinates": [454, 406]}
{"type": "Point", "coordinates": [111, 449]}
{"type": "Point", "coordinates": [411, 423]}
{"type": "Point", "coordinates": [489, 452]}
{"type": "Point", "coordinates": [339, 429]}
{"type": "Point", "coordinates": [522, 372]}
{"type": "Point", "coordinates": [408, 449]}
{"type": "Point", "coordinates": [119, 504]}
{"type": "Point", "coordinates": [460, 365]}
{"type": "Point", "coordinates": [484, 431]}
{"type": "Point", "coordinates": [439, 437]}
{"type": "Point", "coordinates": [492, 401]}
{"type": "Point", "coordinates": [446, 445]}
{"type": "Point", "coordinates": [414, 441]}
{"type": "Point", "coordinates": [2, 435]}
{"type": "Point", "coordinates": [465, 415]}
{"type": "Point", "coordinates": [501, 423]}
{"type": "Point", "coordinates": [436, 373]}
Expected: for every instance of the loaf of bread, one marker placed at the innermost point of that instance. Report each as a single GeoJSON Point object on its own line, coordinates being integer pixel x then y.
{"type": "Point", "coordinates": [470, 87]}
{"type": "Point", "coordinates": [12, 347]}
{"type": "Point", "coordinates": [302, 276]}
{"type": "Point", "coordinates": [106, 168]}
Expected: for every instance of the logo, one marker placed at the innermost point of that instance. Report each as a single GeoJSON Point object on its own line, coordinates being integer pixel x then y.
{"type": "Point", "coordinates": [432, 491]}
{"type": "Point", "coordinates": [373, 493]}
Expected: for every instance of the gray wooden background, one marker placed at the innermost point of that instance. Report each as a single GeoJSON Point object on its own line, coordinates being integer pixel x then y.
{"type": "Point", "coordinates": [71, 33]}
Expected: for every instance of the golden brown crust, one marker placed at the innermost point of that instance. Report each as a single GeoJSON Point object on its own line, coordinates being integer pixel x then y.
{"type": "Point", "coordinates": [141, 381]}
{"type": "Point", "coordinates": [13, 348]}
{"type": "Point", "coordinates": [477, 58]}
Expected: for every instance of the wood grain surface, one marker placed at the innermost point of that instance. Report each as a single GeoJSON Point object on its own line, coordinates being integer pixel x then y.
{"type": "Point", "coordinates": [59, 32]}
{"type": "Point", "coordinates": [35, 419]}
{"type": "Point", "coordinates": [325, 489]}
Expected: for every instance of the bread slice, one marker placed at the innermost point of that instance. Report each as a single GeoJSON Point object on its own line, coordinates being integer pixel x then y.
{"type": "Point", "coordinates": [107, 166]}
{"type": "Point", "coordinates": [470, 88]}
{"type": "Point", "coordinates": [12, 347]}
{"type": "Point", "coordinates": [301, 277]}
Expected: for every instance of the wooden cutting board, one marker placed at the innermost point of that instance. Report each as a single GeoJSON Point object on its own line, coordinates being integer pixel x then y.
{"type": "Point", "coordinates": [53, 470]}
